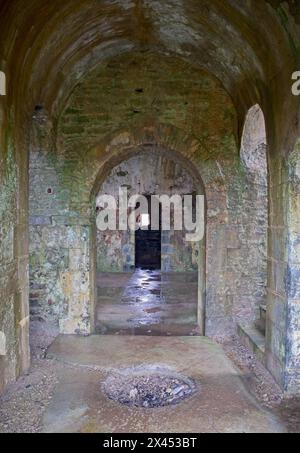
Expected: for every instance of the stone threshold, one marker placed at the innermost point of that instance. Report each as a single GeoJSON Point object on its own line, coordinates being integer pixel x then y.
{"type": "Point", "coordinates": [253, 339]}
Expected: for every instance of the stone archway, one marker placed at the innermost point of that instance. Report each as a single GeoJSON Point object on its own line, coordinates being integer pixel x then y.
{"type": "Point", "coordinates": [254, 158]}
{"type": "Point", "coordinates": [172, 156]}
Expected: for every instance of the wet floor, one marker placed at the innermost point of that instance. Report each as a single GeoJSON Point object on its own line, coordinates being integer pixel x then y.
{"type": "Point", "coordinates": [147, 303]}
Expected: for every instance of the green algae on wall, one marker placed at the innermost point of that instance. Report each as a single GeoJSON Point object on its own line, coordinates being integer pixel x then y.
{"type": "Point", "coordinates": [135, 102]}
{"type": "Point", "coordinates": [8, 266]}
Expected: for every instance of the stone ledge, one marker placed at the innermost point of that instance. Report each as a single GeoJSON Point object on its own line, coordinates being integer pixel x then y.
{"type": "Point", "coordinates": [69, 221]}
{"type": "Point", "coordinates": [254, 340]}
{"type": "Point", "coordinates": [40, 220]}
{"type": "Point", "coordinates": [2, 344]}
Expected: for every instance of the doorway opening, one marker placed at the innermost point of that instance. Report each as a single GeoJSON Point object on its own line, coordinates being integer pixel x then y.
{"type": "Point", "coordinates": [151, 280]}
{"type": "Point", "coordinates": [148, 242]}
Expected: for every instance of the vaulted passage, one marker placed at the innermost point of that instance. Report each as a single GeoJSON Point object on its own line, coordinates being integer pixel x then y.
{"type": "Point", "coordinates": [144, 275]}
{"type": "Point", "coordinates": [107, 105]}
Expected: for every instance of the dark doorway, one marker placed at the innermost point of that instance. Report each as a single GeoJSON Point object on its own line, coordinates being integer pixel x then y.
{"type": "Point", "coordinates": [148, 245]}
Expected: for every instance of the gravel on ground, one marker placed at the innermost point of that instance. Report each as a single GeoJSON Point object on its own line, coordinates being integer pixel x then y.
{"type": "Point", "coordinates": [23, 403]}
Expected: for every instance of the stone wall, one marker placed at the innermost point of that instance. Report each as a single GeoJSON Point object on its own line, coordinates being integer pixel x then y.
{"type": "Point", "coordinates": [54, 47]}
{"type": "Point", "coordinates": [14, 314]}
{"type": "Point", "coordinates": [283, 329]}
{"type": "Point", "coordinates": [132, 104]}
{"type": "Point", "coordinates": [292, 377]}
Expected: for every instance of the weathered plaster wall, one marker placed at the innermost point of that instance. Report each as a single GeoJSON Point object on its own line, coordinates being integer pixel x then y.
{"type": "Point", "coordinates": [283, 354]}
{"type": "Point", "coordinates": [14, 320]}
{"type": "Point", "coordinates": [147, 174]}
{"type": "Point", "coordinates": [59, 244]}
{"type": "Point", "coordinates": [293, 275]}
{"type": "Point", "coordinates": [134, 101]}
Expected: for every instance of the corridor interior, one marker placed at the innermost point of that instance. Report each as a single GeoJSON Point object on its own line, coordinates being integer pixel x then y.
{"type": "Point", "coordinates": [188, 98]}
{"type": "Point", "coordinates": [148, 279]}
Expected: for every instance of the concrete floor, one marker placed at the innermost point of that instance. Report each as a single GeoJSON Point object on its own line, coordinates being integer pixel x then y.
{"type": "Point", "coordinates": [147, 303]}
{"type": "Point", "coordinates": [221, 404]}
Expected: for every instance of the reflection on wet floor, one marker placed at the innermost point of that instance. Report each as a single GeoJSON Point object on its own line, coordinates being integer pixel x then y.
{"type": "Point", "coordinates": [147, 303]}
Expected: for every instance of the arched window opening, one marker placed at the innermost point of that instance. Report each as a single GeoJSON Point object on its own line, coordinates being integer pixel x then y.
{"type": "Point", "coordinates": [254, 160]}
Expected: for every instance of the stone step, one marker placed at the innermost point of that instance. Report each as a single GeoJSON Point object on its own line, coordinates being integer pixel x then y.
{"type": "Point", "coordinates": [263, 312]}
{"type": "Point", "coordinates": [254, 340]}
{"type": "Point", "coordinates": [260, 325]}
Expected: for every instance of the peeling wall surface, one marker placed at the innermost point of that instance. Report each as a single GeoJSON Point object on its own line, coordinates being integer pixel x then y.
{"type": "Point", "coordinates": [93, 84]}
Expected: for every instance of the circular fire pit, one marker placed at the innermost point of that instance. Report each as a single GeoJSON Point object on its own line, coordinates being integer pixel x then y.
{"type": "Point", "coordinates": [148, 387]}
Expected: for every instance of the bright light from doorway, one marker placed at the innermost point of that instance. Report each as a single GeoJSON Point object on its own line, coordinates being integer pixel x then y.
{"type": "Point", "coordinates": [145, 220]}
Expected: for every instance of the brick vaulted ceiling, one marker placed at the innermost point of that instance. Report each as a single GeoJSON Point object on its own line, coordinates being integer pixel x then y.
{"type": "Point", "coordinates": [46, 48]}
